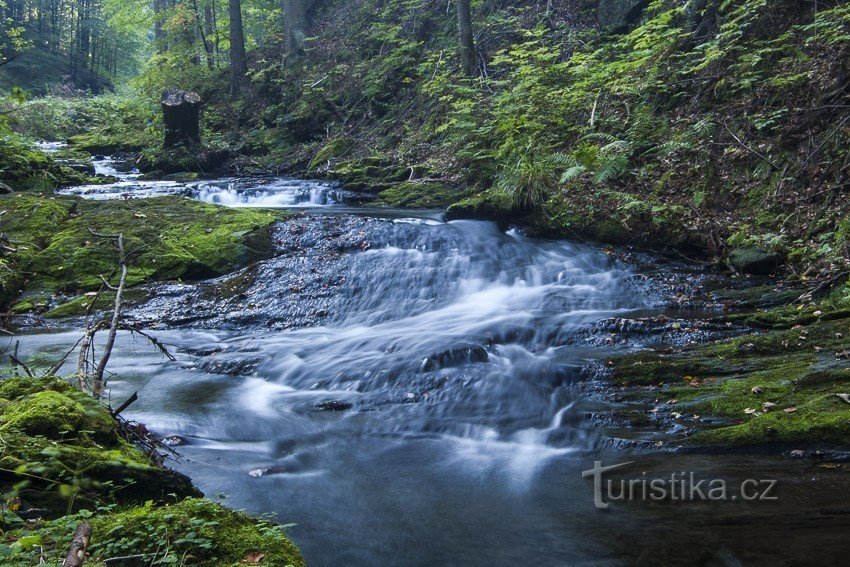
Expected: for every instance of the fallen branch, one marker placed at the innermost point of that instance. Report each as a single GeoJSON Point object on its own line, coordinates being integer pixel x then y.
{"type": "Point", "coordinates": [751, 150]}
{"type": "Point", "coordinates": [125, 405]}
{"type": "Point", "coordinates": [18, 362]}
{"type": "Point", "coordinates": [97, 377]}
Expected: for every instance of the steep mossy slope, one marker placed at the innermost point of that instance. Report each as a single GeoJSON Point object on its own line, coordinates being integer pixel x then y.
{"type": "Point", "coordinates": [701, 125]}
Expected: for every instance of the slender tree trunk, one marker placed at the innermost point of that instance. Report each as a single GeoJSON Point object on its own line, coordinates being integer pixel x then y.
{"type": "Point", "coordinates": [294, 26]}
{"type": "Point", "coordinates": [238, 61]}
{"type": "Point", "coordinates": [159, 36]}
{"type": "Point", "coordinates": [208, 35]}
{"type": "Point", "coordinates": [467, 45]}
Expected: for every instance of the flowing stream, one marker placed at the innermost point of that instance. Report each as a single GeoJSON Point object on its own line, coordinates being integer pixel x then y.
{"type": "Point", "coordinates": [425, 396]}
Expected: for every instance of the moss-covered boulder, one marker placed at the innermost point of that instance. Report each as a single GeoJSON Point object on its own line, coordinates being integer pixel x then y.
{"type": "Point", "coordinates": [418, 195]}
{"type": "Point", "coordinates": [62, 448]}
{"type": "Point", "coordinates": [333, 149]}
{"type": "Point", "coordinates": [159, 162]}
{"type": "Point", "coordinates": [493, 204]}
{"type": "Point", "coordinates": [165, 238]}
{"type": "Point", "coordinates": [110, 142]}
{"type": "Point", "coordinates": [23, 168]}
{"type": "Point", "coordinates": [56, 415]}
{"type": "Point", "coordinates": [56, 472]}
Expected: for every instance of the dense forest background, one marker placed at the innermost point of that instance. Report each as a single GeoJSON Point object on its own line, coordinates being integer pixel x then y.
{"type": "Point", "coordinates": [701, 125]}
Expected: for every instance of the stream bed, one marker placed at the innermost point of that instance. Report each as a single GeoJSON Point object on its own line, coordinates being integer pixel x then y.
{"type": "Point", "coordinates": [407, 391]}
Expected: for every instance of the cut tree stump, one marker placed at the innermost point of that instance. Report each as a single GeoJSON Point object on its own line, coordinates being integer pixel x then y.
{"type": "Point", "coordinates": [77, 554]}
{"type": "Point", "coordinates": [181, 111]}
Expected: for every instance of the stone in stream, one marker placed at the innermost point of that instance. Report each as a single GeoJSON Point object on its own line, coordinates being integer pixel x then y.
{"type": "Point", "coordinates": [754, 260]}
{"type": "Point", "coordinates": [332, 405]}
{"type": "Point", "coordinates": [455, 356]}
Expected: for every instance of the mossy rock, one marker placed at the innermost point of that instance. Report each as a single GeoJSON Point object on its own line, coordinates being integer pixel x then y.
{"type": "Point", "coordinates": [330, 151]}
{"type": "Point", "coordinates": [165, 238]}
{"type": "Point", "coordinates": [182, 160]}
{"type": "Point", "coordinates": [773, 389]}
{"type": "Point", "coordinates": [492, 204]}
{"type": "Point", "coordinates": [418, 195]}
{"type": "Point", "coordinates": [105, 143]}
{"type": "Point", "coordinates": [15, 388]}
{"type": "Point", "coordinates": [754, 260]}
{"type": "Point", "coordinates": [195, 531]}
{"type": "Point", "coordinates": [56, 436]}
{"type": "Point", "coordinates": [57, 415]}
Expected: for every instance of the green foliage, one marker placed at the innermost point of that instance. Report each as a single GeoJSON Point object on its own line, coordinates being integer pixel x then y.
{"type": "Point", "coordinates": [194, 531]}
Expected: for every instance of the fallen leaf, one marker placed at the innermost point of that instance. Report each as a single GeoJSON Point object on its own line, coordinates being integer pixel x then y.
{"type": "Point", "coordinates": [757, 390]}
{"type": "Point", "coordinates": [767, 405]}
{"type": "Point", "coordinates": [790, 410]}
{"type": "Point", "coordinates": [749, 411]}
{"type": "Point", "coordinates": [253, 558]}
{"type": "Point", "coordinates": [845, 397]}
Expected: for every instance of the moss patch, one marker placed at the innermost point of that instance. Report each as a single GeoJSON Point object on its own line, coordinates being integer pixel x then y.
{"type": "Point", "coordinates": [779, 387]}
{"type": "Point", "coordinates": [50, 459]}
{"type": "Point", "coordinates": [56, 415]}
{"type": "Point", "coordinates": [59, 448]}
{"type": "Point", "coordinates": [418, 195]}
{"type": "Point", "coordinates": [165, 238]}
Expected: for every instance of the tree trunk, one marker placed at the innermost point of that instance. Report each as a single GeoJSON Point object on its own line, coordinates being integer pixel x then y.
{"type": "Point", "coordinates": [467, 45]}
{"type": "Point", "coordinates": [158, 35]}
{"type": "Point", "coordinates": [77, 554]}
{"type": "Point", "coordinates": [238, 61]}
{"type": "Point", "coordinates": [181, 111]}
{"type": "Point", "coordinates": [295, 23]}
{"type": "Point", "coordinates": [208, 35]}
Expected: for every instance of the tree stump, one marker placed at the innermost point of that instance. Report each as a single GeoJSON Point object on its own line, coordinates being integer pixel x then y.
{"type": "Point", "coordinates": [181, 111]}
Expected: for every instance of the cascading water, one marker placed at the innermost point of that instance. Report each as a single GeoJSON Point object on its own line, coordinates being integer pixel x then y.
{"type": "Point", "coordinates": [411, 392]}
{"type": "Point", "coordinates": [281, 192]}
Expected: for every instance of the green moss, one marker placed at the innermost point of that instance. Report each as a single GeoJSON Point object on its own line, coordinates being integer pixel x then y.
{"type": "Point", "coordinates": [165, 238]}
{"type": "Point", "coordinates": [60, 447]}
{"type": "Point", "coordinates": [332, 150]}
{"type": "Point", "coordinates": [56, 415]}
{"type": "Point", "coordinates": [491, 204]}
{"type": "Point", "coordinates": [418, 195]}
{"type": "Point", "coordinates": [196, 531]}
{"type": "Point", "coordinates": [16, 387]}
{"type": "Point", "coordinates": [748, 382]}
{"type": "Point", "coordinates": [105, 142]}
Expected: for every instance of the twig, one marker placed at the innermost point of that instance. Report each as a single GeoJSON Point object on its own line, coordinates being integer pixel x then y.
{"type": "Point", "coordinates": [153, 340]}
{"type": "Point", "coordinates": [18, 362]}
{"type": "Point", "coordinates": [125, 405]}
{"type": "Point", "coordinates": [749, 149]}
